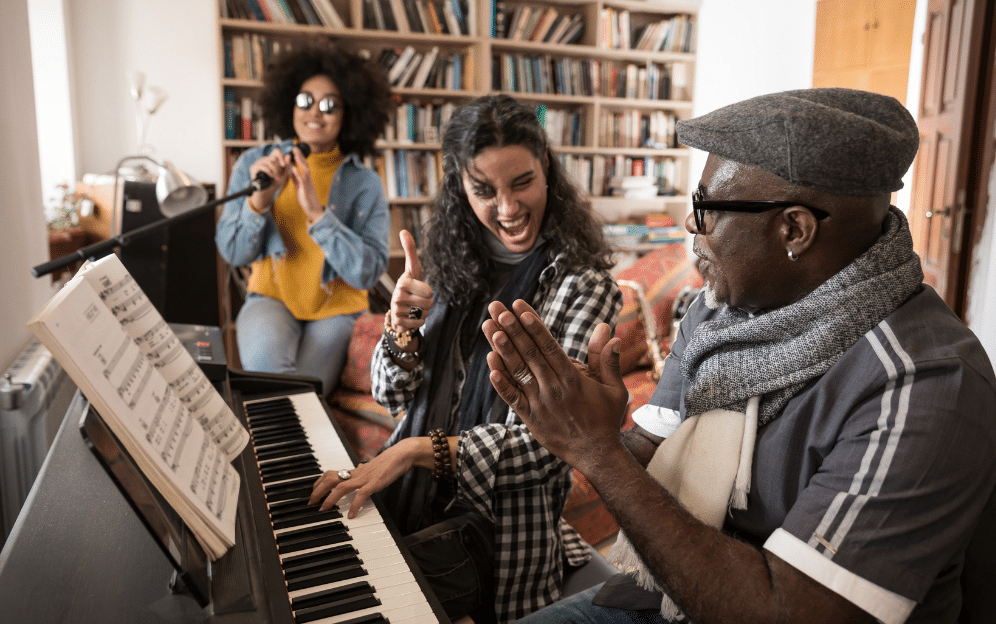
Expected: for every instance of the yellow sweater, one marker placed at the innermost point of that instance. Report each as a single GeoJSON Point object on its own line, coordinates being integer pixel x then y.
{"type": "Point", "coordinates": [295, 279]}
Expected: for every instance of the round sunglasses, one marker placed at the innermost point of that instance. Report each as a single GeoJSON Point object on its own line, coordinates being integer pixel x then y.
{"type": "Point", "coordinates": [305, 101]}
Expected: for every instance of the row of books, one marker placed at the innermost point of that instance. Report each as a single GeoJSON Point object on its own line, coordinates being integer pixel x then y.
{"type": "Point", "coordinates": [420, 122]}
{"type": "Point", "coordinates": [438, 17]}
{"type": "Point", "coordinates": [430, 69]}
{"type": "Point", "coordinates": [543, 73]}
{"type": "Point", "coordinates": [409, 174]}
{"type": "Point", "coordinates": [619, 234]}
{"type": "Point", "coordinates": [247, 55]}
{"type": "Point", "coordinates": [412, 218]}
{"type": "Point", "coordinates": [563, 127]}
{"type": "Point", "coordinates": [634, 128]}
{"type": "Point", "coordinates": [309, 12]}
{"type": "Point", "coordinates": [673, 34]}
{"type": "Point", "coordinates": [243, 118]}
{"type": "Point", "coordinates": [536, 24]}
{"type": "Point", "coordinates": [603, 176]}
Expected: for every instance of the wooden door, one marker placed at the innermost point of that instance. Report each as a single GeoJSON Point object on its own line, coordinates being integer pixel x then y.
{"type": "Point", "coordinates": [864, 44]}
{"type": "Point", "coordinates": [940, 207]}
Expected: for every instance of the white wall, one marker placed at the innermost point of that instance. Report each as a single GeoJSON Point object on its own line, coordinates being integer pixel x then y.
{"type": "Point", "coordinates": [23, 242]}
{"type": "Point", "coordinates": [751, 48]}
{"type": "Point", "coordinates": [176, 45]}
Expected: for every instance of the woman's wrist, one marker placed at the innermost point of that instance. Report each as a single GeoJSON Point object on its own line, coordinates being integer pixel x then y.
{"type": "Point", "coordinates": [252, 206]}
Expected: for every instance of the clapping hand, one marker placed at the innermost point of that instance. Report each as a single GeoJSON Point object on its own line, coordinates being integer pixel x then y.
{"type": "Point", "coordinates": [571, 409]}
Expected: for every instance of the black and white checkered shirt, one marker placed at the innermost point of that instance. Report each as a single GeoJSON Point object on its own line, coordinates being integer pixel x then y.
{"type": "Point", "coordinates": [501, 469]}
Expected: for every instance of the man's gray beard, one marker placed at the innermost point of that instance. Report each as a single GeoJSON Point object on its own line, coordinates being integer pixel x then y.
{"type": "Point", "coordinates": [709, 297]}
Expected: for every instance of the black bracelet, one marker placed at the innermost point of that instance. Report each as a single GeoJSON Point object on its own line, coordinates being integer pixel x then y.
{"type": "Point", "coordinates": [441, 454]}
{"type": "Point", "coordinates": [406, 357]}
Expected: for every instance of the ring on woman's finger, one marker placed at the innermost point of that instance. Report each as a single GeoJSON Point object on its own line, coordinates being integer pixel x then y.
{"type": "Point", "coordinates": [526, 379]}
{"type": "Point", "coordinates": [344, 474]}
{"type": "Point", "coordinates": [415, 313]}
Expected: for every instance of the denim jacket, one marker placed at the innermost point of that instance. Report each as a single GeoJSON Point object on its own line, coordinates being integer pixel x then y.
{"type": "Point", "coordinates": [352, 233]}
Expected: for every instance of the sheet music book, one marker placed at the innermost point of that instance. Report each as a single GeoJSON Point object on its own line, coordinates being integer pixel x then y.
{"type": "Point", "coordinates": [131, 366]}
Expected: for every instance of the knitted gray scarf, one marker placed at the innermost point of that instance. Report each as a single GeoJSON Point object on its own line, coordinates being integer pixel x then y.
{"type": "Point", "coordinates": [734, 356]}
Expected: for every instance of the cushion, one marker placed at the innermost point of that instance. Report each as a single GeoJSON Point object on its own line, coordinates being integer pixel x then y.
{"type": "Point", "coordinates": [363, 406]}
{"type": "Point", "coordinates": [365, 438]}
{"type": "Point", "coordinates": [366, 335]}
{"type": "Point", "coordinates": [662, 274]}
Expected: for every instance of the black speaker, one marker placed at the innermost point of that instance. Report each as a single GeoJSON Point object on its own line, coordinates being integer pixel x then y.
{"type": "Point", "coordinates": [176, 266]}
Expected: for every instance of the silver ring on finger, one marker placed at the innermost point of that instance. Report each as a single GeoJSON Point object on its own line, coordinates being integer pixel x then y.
{"type": "Point", "coordinates": [414, 313]}
{"type": "Point", "coordinates": [526, 379]}
{"type": "Point", "coordinates": [344, 474]}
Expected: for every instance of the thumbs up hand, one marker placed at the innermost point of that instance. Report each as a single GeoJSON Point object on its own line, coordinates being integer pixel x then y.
{"type": "Point", "coordinates": [412, 298]}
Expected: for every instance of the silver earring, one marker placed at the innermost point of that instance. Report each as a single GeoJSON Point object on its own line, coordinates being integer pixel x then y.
{"type": "Point", "coordinates": [792, 256]}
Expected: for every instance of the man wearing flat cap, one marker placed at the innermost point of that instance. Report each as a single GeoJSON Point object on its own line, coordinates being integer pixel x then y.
{"type": "Point", "coordinates": [821, 446]}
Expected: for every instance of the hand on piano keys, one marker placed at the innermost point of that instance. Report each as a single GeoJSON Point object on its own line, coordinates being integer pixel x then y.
{"type": "Point", "coordinates": [338, 569]}
{"type": "Point", "coordinates": [366, 479]}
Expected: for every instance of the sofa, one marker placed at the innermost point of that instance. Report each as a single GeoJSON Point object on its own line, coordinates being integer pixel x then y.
{"type": "Point", "coordinates": [654, 290]}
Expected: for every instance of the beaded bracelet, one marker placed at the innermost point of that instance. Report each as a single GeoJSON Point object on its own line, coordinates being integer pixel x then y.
{"type": "Point", "coordinates": [406, 357]}
{"type": "Point", "coordinates": [441, 454]}
{"type": "Point", "coordinates": [402, 338]}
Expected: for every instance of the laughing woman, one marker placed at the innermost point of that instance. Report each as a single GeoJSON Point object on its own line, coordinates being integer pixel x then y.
{"type": "Point", "coordinates": [508, 224]}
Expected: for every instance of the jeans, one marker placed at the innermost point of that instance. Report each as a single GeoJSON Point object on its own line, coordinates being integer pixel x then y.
{"type": "Point", "coordinates": [271, 340]}
{"type": "Point", "coordinates": [456, 556]}
{"type": "Point", "coordinates": [577, 609]}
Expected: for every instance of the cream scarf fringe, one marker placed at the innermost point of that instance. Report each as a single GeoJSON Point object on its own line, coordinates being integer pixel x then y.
{"type": "Point", "coordinates": [706, 465]}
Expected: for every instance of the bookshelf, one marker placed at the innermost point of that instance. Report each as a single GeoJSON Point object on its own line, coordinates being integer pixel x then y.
{"type": "Point", "coordinates": [609, 78]}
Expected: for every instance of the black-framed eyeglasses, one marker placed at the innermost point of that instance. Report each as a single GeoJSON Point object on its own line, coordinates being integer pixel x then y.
{"type": "Point", "coordinates": [305, 101]}
{"type": "Point", "coordinates": [700, 206]}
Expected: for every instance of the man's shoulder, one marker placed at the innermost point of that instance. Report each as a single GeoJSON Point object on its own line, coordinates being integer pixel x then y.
{"type": "Point", "coordinates": [926, 330]}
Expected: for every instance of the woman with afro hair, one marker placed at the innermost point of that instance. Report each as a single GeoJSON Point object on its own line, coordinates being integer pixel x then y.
{"type": "Point", "coordinates": [317, 243]}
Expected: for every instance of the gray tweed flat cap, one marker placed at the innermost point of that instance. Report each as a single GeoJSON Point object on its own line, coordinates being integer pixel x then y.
{"type": "Point", "coordinates": [842, 141]}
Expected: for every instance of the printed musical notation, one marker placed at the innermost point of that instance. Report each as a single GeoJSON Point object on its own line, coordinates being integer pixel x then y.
{"type": "Point", "coordinates": [161, 346]}
{"type": "Point", "coordinates": [151, 393]}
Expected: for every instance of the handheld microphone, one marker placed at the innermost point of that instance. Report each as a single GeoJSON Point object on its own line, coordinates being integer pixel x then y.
{"type": "Point", "coordinates": [263, 179]}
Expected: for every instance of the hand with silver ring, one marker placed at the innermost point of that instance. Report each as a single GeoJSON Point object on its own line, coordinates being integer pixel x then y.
{"type": "Point", "coordinates": [414, 313]}
{"type": "Point", "coordinates": [344, 474]}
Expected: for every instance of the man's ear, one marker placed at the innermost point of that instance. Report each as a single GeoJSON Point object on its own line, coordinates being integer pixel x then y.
{"type": "Point", "coordinates": [798, 229]}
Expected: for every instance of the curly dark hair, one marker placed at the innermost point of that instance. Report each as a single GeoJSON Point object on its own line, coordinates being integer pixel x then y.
{"type": "Point", "coordinates": [366, 94]}
{"type": "Point", "coordinates": [455, 256]}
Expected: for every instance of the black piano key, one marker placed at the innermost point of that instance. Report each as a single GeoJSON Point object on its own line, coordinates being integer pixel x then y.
{"type": "Point", "coordinates": [259, 406]}
{"type": "Point", "coordinates": [288, 462]}
{"type": "Point", "coordinates": [313, 473]}
{"type": "Point", "coordinates": [269, 435]}
{"type": "Point", "coordinates": [312, 537]}
{"type": "Point", "coordinates": [291, 426]}
{"type": "Point", "coordinates": [289, 504]}
{"type": "Point", "coordinates": [330, 602]}
{"type": "Point", "coordinates": [291, 484]}
{"type": "Point", "coordinates": [322, 577]}
{"type": "Point", "coordinates": [284, 449]}
{"type": "Point", "coordinates": [305, 517]}
{"type": "Point", "coordinates": [339, 550]}
{"type": "Point", "coordinates": [288, 494]}
{"type": "Point", "coordinates": [372, 618]}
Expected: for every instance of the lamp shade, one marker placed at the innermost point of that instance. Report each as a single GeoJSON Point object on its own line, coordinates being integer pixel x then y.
{"type": "Point", "coordinates": [177, 191]}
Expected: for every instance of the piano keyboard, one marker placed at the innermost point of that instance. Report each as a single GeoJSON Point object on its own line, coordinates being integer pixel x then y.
{"type": "Point", "coordinates": [337, 570]}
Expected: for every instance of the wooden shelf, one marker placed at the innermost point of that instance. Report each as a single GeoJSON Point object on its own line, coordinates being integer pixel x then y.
{"type": "Point", "coordinates": [594, 112]}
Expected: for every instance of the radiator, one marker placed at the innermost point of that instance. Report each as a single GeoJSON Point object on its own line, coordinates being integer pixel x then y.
{"type": "Point", "coordinates": [34, 395]}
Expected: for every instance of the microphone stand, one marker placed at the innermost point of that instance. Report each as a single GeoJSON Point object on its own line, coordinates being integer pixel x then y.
{"type": "Point", "coordinates": [101, 249]}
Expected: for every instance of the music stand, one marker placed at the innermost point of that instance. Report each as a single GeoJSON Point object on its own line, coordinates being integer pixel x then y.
{"type": "Point", "coordinates": [162, 521]}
